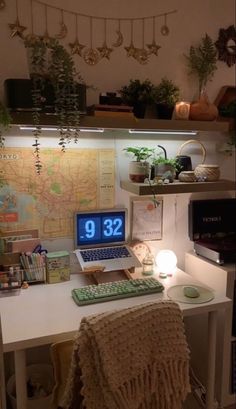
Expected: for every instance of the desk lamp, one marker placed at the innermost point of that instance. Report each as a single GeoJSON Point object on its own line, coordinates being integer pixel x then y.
{"type": "Point", "coordinates": [166, 262]}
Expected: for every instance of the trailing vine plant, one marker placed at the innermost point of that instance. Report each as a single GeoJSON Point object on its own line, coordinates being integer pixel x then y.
{"type": "Point", "coordinates": [52, 65]}
{"type": "Point", "coordinates": [5, 120]}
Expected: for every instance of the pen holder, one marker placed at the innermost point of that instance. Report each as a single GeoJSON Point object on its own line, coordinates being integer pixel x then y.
{"type": "Point", "coordinates": [34, 275]}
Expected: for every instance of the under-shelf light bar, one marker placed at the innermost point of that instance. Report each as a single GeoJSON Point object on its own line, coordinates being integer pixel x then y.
{"type": "Point", "coordinates": [159, 132]}
{"type": "Point", "coordinates": [54, 129]}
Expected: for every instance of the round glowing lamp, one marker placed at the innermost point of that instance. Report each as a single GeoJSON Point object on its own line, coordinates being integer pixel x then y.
{"type": "Point", "coordinates": [166, 262]}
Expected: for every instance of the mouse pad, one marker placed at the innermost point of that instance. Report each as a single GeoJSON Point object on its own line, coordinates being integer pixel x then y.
{"type": "Point", "coordinates": [176, 293]}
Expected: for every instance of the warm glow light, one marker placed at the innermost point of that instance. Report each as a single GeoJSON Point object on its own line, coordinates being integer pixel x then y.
{"type": "Point", "coordinates": [166, 262]}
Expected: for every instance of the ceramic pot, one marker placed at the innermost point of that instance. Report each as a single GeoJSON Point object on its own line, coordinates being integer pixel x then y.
{"type": "Point", "coordinates": [203, 110]}
{"type": "Point", "coordinates": [184, 162]}
{"type": "Point", "coordinates": [162, 168]}
{"type": "Point", "coordinates": [139, 109]}
{"type": "Point", "coordinates": [138, 171]}
{"type": "Point", "coordinates": [164, 111]}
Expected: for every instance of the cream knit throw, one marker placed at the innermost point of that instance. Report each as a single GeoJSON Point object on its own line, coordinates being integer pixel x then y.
{"type": "Point", "coordinates": [135, 358]}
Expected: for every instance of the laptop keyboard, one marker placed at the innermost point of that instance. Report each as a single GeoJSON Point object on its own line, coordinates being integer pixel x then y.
{"type": "Point", "coordinates": [106, 253]}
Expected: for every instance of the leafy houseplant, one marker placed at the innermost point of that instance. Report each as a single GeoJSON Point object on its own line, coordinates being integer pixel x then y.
{"type": "Point", "coordinates": [165, 167]}
{"type": "Point", "coordinates": [202, 61]}
{"type": "Point", "coordinates": [52, 65]}
{"type": "Point", "coordinates": [5, 120]}
{"type": "Point", "coordinates": [137, 94]}
{"type": "Point", "coordinates": [165, 95]}
{"type": "Point", "coordinates": [139, 168]}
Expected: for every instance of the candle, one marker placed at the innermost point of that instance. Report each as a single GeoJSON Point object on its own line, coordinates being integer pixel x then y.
{"type": "Point", "coordinates": [182, 110]}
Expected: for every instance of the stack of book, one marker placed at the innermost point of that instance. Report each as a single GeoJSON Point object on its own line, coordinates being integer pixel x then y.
{"type": "Point", "coordinates": [113, 111]}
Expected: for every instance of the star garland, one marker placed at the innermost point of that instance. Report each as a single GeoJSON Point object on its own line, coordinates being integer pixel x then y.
{"type": "Point", "coordinates": [90, 54]}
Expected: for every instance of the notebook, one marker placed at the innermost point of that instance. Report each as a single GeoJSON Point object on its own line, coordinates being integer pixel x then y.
{"type": "Point", "coordinates": [100, 239]}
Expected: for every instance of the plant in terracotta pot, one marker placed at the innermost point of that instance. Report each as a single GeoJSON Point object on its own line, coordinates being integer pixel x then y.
{"type": "Point", "coordinates": [137, 94]}
{"type": "Point", "coordinates": [165, 95]}
{"type": "Point", "coordinates": [5, 120]}
{"type": "Point", "coordinates": [139, 168]}
{"type": "Point", "coordinates": [202, 63]}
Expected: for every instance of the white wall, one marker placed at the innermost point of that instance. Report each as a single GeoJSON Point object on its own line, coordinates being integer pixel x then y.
{"type": "Point", "coordinates": [192, 20]}
{"type": "Point", "coordinates": [187, 26]}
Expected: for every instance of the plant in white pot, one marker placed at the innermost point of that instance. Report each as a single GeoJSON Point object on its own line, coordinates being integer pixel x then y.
{"type": "Point", "coordinates": [164, 168]}
{"type": "Point", "coordinates": [139, 168]}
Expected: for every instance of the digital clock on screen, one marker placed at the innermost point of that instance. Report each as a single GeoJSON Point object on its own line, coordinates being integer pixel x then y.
{"type": "Point", "coordinates": [100, 228]}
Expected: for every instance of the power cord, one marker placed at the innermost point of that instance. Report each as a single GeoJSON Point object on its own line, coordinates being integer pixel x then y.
{"type": "Point", "coordinates": [199, 390]}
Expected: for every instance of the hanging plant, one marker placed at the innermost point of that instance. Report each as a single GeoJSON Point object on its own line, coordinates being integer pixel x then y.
{"type": "Point", "coordinates": [52, 66]}
{"type": "Point", "coordinates": [5, 120]}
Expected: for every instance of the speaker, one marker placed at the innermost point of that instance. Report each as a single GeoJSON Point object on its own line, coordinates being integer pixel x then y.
{"type": "Point", "coordinates": [18, 94]}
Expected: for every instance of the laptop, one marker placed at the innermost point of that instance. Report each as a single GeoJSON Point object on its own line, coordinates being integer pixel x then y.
{"type": "Point", "coordinates": [100, 239]}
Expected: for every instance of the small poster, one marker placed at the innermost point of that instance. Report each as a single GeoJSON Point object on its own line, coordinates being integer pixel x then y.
{"type": "Point", "coordinates": [147, 219]}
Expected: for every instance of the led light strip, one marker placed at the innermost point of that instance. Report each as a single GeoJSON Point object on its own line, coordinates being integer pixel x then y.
{"type": "Point", "coordinates": [159, 132]}
{"type": "Point", "coordinates": [54, 129]}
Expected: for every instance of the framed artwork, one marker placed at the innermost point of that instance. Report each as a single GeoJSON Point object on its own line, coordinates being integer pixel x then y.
{"type": "Point", "coordinates": [226, 45]}
{"type": "Point", "coordinates": [146, 223]}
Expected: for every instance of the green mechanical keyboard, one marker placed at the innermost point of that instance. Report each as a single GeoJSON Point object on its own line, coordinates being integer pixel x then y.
{"type": "Point", "coordinates": [92, 294]}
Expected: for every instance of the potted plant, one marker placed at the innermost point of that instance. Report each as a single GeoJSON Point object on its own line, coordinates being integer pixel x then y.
{"type": "Point", "coordinates": [139, 168]}
{"type": "Point", "coordinates": [137, 94]}
{"type": "Point", "coordinates": [5, 120]}
{"type": "Point", "coordinates": [164, 168]}
{"type": "Point", "coordinates": [202, 63]}
{"type": "Point", "coordinates": [165, 95]}
{"type": "Point", "coordinates": [53, 73]}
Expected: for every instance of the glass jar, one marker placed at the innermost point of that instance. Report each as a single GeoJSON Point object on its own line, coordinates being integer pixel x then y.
{"type": "Point", "coordinates": [148, 264]}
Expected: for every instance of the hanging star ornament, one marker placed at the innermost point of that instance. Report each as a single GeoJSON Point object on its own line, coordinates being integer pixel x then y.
{"type": "Point", "coordinates": [153, 48]}
{"type": "Point", "coordinates": [141, 55]}
{"type": "Point", "coordinates": [16, 29]}
{"type": "Point", "coordinates": [76, 48]}
{"type": "Point", "coordinates": [105, 51]}
{"type": "Point", "coordinates": [131, 50]}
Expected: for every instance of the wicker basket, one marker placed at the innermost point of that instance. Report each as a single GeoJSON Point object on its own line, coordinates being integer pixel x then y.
{"type": "Point", "coordinates": [193, 141]}
{"type": "Point", "coordinates": [187, 176]}
{"type": "Point", "coordinates": [210, 173]}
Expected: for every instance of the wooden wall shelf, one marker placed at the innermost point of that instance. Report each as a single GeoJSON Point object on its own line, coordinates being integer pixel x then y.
{"type": "Point", "coordinates": [143, 189]}
{"type": "Point", "coordinates": [120, 123]}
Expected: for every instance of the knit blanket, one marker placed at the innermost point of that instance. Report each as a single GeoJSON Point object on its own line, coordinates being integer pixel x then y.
{"type": "Point", "coordinates": [134, 358]}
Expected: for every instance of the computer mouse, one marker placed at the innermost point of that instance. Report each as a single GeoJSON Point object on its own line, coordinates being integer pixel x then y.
{"type": "Point", "coordinates": [191, 292]}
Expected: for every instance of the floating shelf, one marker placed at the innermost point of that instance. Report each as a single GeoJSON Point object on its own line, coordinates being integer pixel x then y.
{"type": "Point", "coordinates": [120, 123]}
{"type": "Point", "coordinates": [143, 189]}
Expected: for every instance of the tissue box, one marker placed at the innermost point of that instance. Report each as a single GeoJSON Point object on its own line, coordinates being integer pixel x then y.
{"type": "Point", "coordinates": [57, 267]}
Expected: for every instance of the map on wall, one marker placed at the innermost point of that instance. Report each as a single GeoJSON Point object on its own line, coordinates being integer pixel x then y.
{"type": "Point", "coordinates": [79, 179]}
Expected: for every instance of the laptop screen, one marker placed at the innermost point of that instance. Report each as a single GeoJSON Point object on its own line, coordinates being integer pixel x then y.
{"type": "Point", "coordinates": [100, 227]}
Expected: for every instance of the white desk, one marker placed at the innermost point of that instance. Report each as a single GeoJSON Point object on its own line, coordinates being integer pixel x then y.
{"type": "Point", "coordinates": [44, 314]}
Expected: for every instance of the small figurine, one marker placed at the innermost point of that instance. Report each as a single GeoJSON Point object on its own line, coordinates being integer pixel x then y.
{"type": "Point", "coordinates": [25, 285]}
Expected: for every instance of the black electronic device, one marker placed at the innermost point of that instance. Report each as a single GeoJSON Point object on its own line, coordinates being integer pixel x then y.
{"type": "Point", "coordinates": [212, 227]}
{"type": "Point", "coordinates": [18, 95]}
{"type": "Point", "coordinates": [110, 98]}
